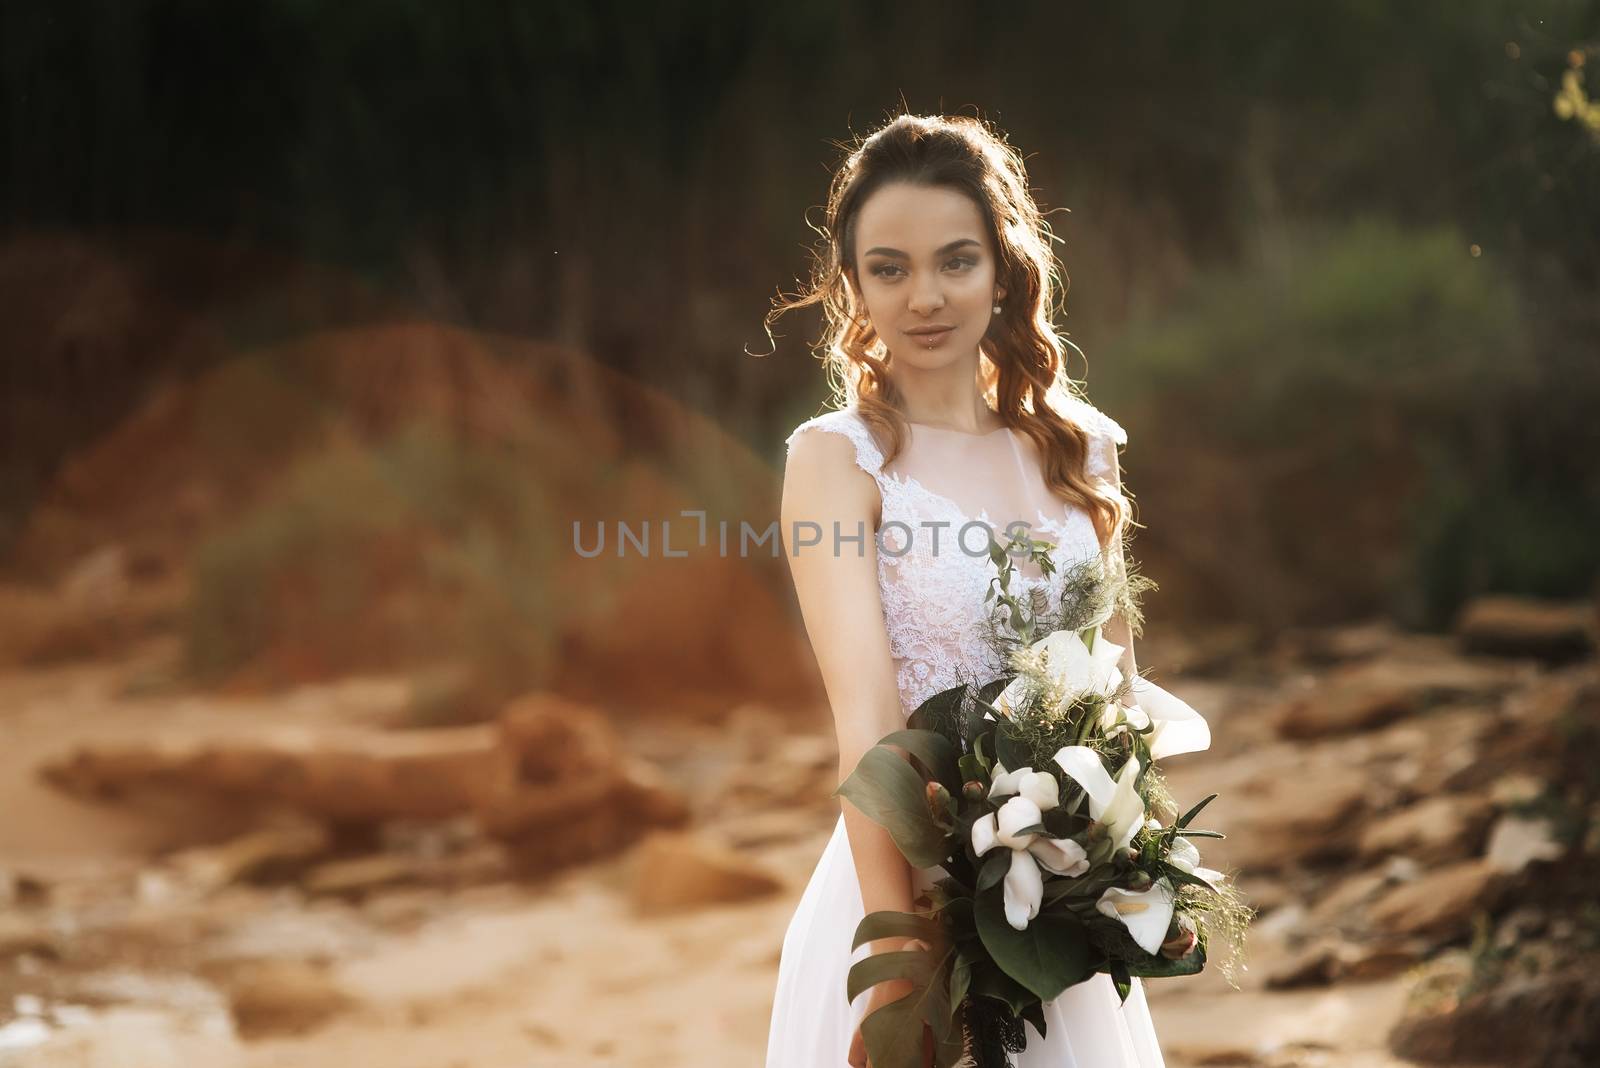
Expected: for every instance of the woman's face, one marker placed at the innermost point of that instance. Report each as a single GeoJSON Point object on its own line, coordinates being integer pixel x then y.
{"type": "Point", "coordinates": [924, 260]}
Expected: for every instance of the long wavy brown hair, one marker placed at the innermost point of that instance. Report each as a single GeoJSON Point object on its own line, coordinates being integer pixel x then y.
{"type": "Point", "coordinates": [1021, 358]}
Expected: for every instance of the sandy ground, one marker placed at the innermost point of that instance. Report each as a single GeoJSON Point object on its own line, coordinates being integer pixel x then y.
{"type": "Point", "coordinates": [559, 974]}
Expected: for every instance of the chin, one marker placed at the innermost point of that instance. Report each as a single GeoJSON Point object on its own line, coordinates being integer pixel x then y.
{"type": "Point", "coordinates": [953, 351]}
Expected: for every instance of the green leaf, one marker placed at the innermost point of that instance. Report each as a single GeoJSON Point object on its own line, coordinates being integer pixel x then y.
{"type": "Point", "coordinates": [891, 924]}
{"type": "Point", "coordinates": [1034, 1014]}
{"type": "Point", "coordinates": [1060, 823]}
{"type": "Point", "coordinates": [888, 791]}
{"type": "Point", "coordinates": [893, 1032]}
{"type": "Point", "coordinates": [995, 865]}
{"type": "Point", "coordinates": [940, 713]}
{"type": "Point", "coordinates": [1159, 967]}
{"type": "Point", "coordinates": [913, 964]}
{"type": "Point", "coordinates": [982, 748]}
{"type": "Point", "coordinates": [1183, 821]}
{"type": "Point", "coordinates": [935, 752]}
{"type": "Point", "coordinates": [960, 978]}
{"type": "Point", "coordinates": [937, 1006]}
{"type": "Point", "coordinates": [1011, 752]}
{"type": "Point", "coordinates": [990, 981]}
{"type": "Point", "coordinates": [1053, 953]}
{"type": "Point", "coordinates": [1123, 981]}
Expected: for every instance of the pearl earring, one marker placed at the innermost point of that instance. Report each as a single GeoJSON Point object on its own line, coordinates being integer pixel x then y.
{"type": "Point", "coordinates": [997, 309]}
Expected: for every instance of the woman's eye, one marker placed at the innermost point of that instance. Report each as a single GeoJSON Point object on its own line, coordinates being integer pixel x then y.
{"type": "Point", "coordinates": [962, 262]}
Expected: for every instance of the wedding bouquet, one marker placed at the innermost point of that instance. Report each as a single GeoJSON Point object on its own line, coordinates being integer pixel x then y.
{"type": "Point", "coordinates": [1037, 796]}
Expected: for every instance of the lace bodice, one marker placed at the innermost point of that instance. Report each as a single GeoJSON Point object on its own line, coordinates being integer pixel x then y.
{"type": "Point", "coordinates": [932, 589]}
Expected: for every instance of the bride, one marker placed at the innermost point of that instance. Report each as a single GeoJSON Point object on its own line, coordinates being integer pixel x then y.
{"type": "Point", "coordinates": [937, 283]}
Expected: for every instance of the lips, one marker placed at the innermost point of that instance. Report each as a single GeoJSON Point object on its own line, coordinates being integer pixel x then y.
{"type": "Point", "coordinates": [930, 331]}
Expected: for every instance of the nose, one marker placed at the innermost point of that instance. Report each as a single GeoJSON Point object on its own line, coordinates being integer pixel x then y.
{"type": "Point", "coordinates": [926, 296]}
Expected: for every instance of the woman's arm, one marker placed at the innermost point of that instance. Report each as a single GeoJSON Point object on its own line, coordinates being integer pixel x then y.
{"type": "Point", "coordinates": [843, 613]}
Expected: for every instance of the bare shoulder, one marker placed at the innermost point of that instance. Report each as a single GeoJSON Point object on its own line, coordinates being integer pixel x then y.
{"type": "Point", "coordinates": [824, 467]}
{"type": "Point", "coordinates": [828, 474]}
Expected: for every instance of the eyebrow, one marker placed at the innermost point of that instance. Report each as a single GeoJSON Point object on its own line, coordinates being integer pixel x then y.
{"type": "Point", "coordinates": [940, 251]}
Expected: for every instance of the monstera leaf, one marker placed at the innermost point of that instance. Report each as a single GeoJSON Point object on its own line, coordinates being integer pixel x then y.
{"type": "Point", "coordinates": [894, 1032]}
{"type": "Point", "coordinates": [890, 792]}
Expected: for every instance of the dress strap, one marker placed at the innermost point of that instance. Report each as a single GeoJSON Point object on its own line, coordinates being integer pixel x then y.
{"type": "Point", "coordinates": [847, 422]}
{"type": "Point", "coordinates": [1105, 435]}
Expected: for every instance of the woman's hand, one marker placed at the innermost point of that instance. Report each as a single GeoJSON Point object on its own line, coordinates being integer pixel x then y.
{"type": "Point", "coordinates": [879, 996]}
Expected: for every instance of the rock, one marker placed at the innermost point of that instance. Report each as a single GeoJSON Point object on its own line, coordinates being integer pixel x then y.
{"type": "Point", "coordinates": [1317, 964]}
{"type": "Point", "coordinates": [676, 872]}
{"type": "Point", "coordinates": [98, 582]}
{"type": "Point", "coordinates": [1443, 828]}
{"type": "Point", "coordinates": [1552, 631]}
{"type": "Point", "coordinates": [364, 777]}
{"type": "Point", "coordinates": [1547, 1020]}
{"type": "Point", "coordinates": [359, 876]}
{"type": "Point", "coordinates": [21, 934]}
{"type": "Point", "coordinates": [1331, 960]}
{"type": "Point", "coordinates": [1448, 749]}
{"type": "Point", "coordinates": [770, 827]}
{"type": "Point", "coordinates": [1336, 645]}
{"type": "Point", "coordinates": [1366, 963]}
{"type": "Point", "coordinates": [1285, 817]}
{"type": "Point", "coordinates": [1518, 841]}
{"type": "Point", "coordinates": [267, 852]}
{"type": "Point", "coordinates": [1517, 788]}
{"type": "Point", "coordinates": [278, 997]}
{"type": "Point", "coordinates": [799, 775]}
{"type": "Point", "coordinates": [1439, 904]}
{"type": "Point", "coordinates": [554, 738]}
{"type": "Point", "coordinates": [19, 888]}
{"type": "Point", "coordinates": [1354, 892]}
{"type": "Point", "coordinates": [547, 828]}
{"type": "Point", "coordinates": [1339, 708]}
{"type": "Point", "coordinates": [1375, 693]}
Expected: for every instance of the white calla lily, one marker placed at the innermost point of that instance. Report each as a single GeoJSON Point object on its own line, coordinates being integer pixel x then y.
{"type": "Point", "coordinates": [1076, 668]}
{"type": "Point", "coordinates": [1178, 727]}
{"type": "Point", "coordinates": [1071, 665]}
{"type": "Point", "coordinates": [1114, 803]}
{"type": "Point", "coordinates": [1012, 697]}
{"type": "Point", "coordinates": [1145, 913]}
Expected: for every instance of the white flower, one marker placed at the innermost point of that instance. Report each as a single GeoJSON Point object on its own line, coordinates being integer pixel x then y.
{"type": "Point", "coordinates": [1040, 787]}
{"type": "Point", "coordinates": [1115, 804]}
{"type": "Point", "coordinates": [1145, 913]}
{"type": "Point", "coordinates": [1024, 885]}
{"type": "Point", "coordinates": [1024, 889]}
{"type": "Point", "coordinates": [1186, 856]}
{"type": "Point", "coordinates": [1071, 666]}
{"type": "Point", "coordinates": [1178, 727]}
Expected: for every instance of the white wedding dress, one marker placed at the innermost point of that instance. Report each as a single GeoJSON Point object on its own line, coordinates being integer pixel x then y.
{"type": "Point", "coordinates": [932, 601]}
